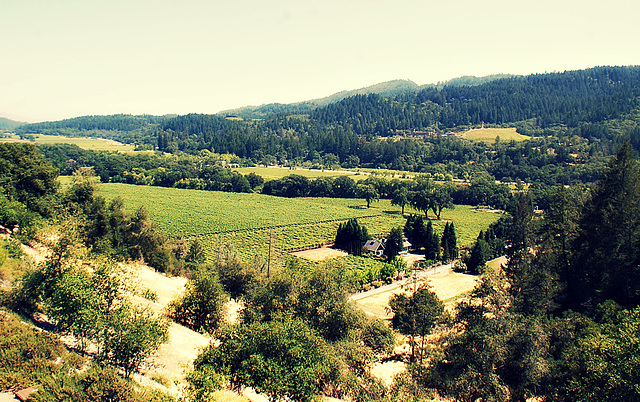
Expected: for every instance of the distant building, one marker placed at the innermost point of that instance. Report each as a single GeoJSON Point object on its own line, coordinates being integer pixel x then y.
{"type": "Point", "coordinates": [374, 247]}
{"type": "Point", "coordinates": [405, 245]}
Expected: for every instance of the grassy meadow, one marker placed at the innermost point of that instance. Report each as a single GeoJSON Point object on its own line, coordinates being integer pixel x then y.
{"type": "Point", "coordinates": [94, 144]}
{"type": "Point", "coordinates": [275, 172]}
{"type": "Point", "coordinates": [250, 221]}
{"type": "Point", "coordinates": [489, 135]}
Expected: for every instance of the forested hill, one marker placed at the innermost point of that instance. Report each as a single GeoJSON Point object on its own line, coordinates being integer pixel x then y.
{"type": "Point", "coordinates": [386, 89]}
{"type": "Point", "coordinates": [7, 124]}
{"type": "Point", "coordinates": [599, 104]}
{"type": "Point", "coordinates": [389, 88]}
{"type": "Point", "coordinates": [116, 122]}
{"type": "Point", "coordinates": [569, 98]}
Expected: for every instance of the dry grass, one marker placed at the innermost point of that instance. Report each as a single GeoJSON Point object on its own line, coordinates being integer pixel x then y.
{"type": "Point", "coordinates": [489, 135]}
{"type": "Point", "coordinates": [449, 286]}
{"type": "Point", "coordinates": [95, 144]}
{"type": "Point", "coordinates": [320, 254]}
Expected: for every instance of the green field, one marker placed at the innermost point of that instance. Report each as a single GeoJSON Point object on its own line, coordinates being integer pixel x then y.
{"type": "Point", "coordinates": [250, 221]}
{"type": "Point", "coordinates": [95, 144]}
{"type": "Point", "coordinates": [274, 173]}
{"type": "Point", "coordinates": [490, 135]}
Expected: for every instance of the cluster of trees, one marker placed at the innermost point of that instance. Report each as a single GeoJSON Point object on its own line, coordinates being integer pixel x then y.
{"type": "Point", "coordinates": [28, 357]}
{"type": "Point", "coordinates": [88, 300]}
{"type": "Point", "coordinates": [29, 193]}
{"type": "Point", "coordinates": [557, 320]}
{"type": "Point", "coordinates": [298, 335]}
{"type": "Point", "coordinates": [204, 171]}
{"type": "Point", "coordinates": [425, 240]}
{"type": "Point", "coordinates": [351, 237]}
{"type": "Point", "coordinates": [561, 98]}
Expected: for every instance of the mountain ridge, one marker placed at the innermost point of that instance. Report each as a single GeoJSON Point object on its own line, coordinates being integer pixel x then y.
{"type": "Point", "coordinates": [387, 88]}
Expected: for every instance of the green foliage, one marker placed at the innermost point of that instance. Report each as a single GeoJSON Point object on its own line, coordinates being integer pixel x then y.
{"type": "Point", "coordinates": [14, 214]}
{"type": "Point", "coordinates": [28, 178]}
{"type": "Point", "coordinates": [31, 357]}
{"type": "Point", "coordinates": [609, 235]}
{"type": "Point", "coordinates": [281, 359]}
{"type": "Point", "coordinates": [449, 243]}
{"type": "Point", "coordinates": [395, 266]}
{"type": "Point", "coordinates": [129, 336]}
{"type": "Point", "coordinates": [606, 360]}
{"type": "Point", "coordinates": [89, 303]}
{"type": "Point", "coordinates": [368, 192]}
{"type": "Point", "coordinates": [416, 314]}
{"type": "Point", "coordinates": [378, 336]}
{"type": "Point", "coordinates": [203, 382]}
{"type": "Point", "coordinates": [201, 306]}
{"type": "Point", "coordinates": [393, 244]}
{"type": "Point", "coordinates": [351, 237]}
{"type": "Point", "coordinates": [480, 254]}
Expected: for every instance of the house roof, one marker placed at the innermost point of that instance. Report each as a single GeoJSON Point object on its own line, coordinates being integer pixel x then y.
{"type": "Point", "coordinates": [373, 245]}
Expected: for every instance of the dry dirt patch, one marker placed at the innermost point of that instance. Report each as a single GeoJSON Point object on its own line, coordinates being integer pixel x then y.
{"type": "Point", "coordinates": [173, 359]}
{"type": "Point", "coordinates": [320, 254]}
{"type": "Point", "coordinates": [447, 285]}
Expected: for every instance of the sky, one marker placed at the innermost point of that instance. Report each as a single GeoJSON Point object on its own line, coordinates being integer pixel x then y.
{"type": "Point", "coordinates": [63, 58]}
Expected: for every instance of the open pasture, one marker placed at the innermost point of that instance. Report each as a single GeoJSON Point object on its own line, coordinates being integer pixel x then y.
{"type": "Point", "coordinates": [94, 144]}
{"type": "Point", "coordinates": [275, 172]}
{"type": "Point", "coordinates": [490, 134]}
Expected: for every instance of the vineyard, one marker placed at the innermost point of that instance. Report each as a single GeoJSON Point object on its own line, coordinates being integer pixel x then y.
{"type": "Point", "coordinates": [254, 223]}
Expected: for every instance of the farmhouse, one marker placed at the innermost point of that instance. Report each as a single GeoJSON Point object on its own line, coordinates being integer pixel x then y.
{"type": "Point", "coordinates": [375, 247]}
{"type": "Point", "coordinates": [405, 245]}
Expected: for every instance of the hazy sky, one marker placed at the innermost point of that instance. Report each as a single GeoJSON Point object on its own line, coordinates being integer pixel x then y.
{"type": "Point", "coordinates": [62, 59]}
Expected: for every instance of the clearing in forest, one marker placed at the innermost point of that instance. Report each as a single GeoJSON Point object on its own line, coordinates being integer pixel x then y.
{"type": "Point", "coordinates": [94, 144]}
{"type": "Point", "coordinates": [489, 135]}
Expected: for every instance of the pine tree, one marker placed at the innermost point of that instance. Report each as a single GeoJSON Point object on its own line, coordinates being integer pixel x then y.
{"type": "Point", "coordinates": [606, 265]}
{"type": "Point", "coordinates": [351, 237]}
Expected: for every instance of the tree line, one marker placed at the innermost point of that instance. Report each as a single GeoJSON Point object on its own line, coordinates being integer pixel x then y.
{"type": "Point", "coordinates": [585, 115]}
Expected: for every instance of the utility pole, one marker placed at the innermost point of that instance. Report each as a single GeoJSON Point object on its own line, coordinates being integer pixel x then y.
{"type": "Point", "coordinates": [269, 260]}
{"type": "Point", "coordinates": [413, 316]}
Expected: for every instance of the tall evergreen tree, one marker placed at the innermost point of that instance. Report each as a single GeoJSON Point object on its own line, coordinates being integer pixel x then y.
{"type": "Point", "coordinates": [606, 264]}
{"type": "Point", "coordinates": [351, 237]}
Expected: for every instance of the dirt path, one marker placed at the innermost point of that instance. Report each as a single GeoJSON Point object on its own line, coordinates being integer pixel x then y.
{"type": "Point", "coordinates": [173, 359]}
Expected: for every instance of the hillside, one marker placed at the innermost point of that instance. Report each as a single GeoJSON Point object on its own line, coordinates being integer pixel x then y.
{"type": "Point", "coordinates": [407, 131]}
{"type": "Point", "coordinates": [389, 88]}
{"type": "Point", "coordinates": [7, 124]}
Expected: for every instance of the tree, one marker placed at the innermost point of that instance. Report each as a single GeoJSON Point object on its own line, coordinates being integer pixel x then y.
{"type": "Point", "coordinates": [480, 254]}
{"type": "Point", "coordinates": [440, 198]}
{"type": "Point", "coordinates": [344, 187]}
{"type": "Point", "coordinates": [416, 232]}
{"type": "Point", "coordinates": [605, 359]}
{"type": "Point", "coordinates": [393, 244]}
{"type": "Point", "coordinates": [606, 263]}
{"type": "Point", "coordinates": [449, 242]}
{"type": "Point", "coordinates": [236, 276]}
{"type": "Point", "coordinates": [201, 306]}
{"type": "Point", "coordinates": [400, 198]}
{"type": "Point", "coordinates": [416, 315]}
{"type": "Point", "coordinates": [351, 237]}
{"type": "Point", "coordinates": [493, 354]}
{"type": "Point", "coordinates": [283, 359]}
{"type": "Point", "coordinates": [130, 336]}
{"type": "Point", "coordinates": [368, 192]}
{"type": "Point", "coordinates": [323, 303]}
{"type": "Point", "coordinates": [255, 180]}
{"type": "Point", "coordinates": [26, 177]}
{"type": "Point", "coordinates": [431, 243]}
